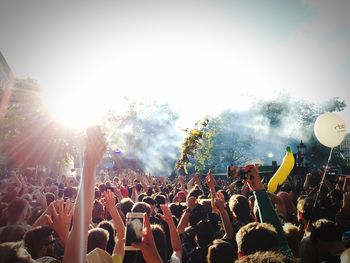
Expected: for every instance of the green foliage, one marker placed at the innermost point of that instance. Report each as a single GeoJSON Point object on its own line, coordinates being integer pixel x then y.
{"type": "Point", "coordinates": [191, 143]}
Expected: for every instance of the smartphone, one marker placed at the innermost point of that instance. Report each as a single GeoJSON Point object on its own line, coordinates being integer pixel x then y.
{"type": "Point", "coordinates": [133, 230]}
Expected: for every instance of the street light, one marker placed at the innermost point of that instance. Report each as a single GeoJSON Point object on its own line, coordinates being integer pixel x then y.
{"type": "Point", "coordinates": [301, 154]}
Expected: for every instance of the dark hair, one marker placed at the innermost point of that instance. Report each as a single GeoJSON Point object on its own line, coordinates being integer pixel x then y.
{"type": "Point", "coordinates": [221, 251]}
{"type": "Point", "coordinates": [68, 192]}
{"type": "Point", "coordinates": [138, 187]}
{"type": "Point", "coordinates": [111, 231]}
{"type": "Point", "coordinates": [160, 240]}
{"type": "Point", "coordinates": [141, 197]}
{"type": "Point", "coordinates": [126, 205]}
{"type": "Point", "coordinates": [12, 233]}
{"type": "Point", "coordinates": [197, 214]}
{"type": "Point", "coordinates": [176, 210]}
{"type": "Point", "coordinates": [50, 197]}
{"type": "Point", "coordinates": [325, 230]}
{"type": "Point", "coordinates": [226, 195]}
{"type": "Point", "coordinates": [141, 207]}
{"type": "Point", "coordinates": [205, 233]}
{"type": "Point", "coordinates": [149, 200]}
{"type": "Point", "coordinates": [35, 239]}
{"type": "Point", "coordinates": [97, 210]}
{"type": "Point", "coordinates": [16, 208]}
{"type": "Point", "coordinates": [102, 188]}
{"type": "Point", "coordinates": [160, 199]}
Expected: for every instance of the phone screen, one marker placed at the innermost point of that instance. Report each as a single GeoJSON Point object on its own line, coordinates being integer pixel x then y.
{"type": "Point", "coordinates": [134, 226]}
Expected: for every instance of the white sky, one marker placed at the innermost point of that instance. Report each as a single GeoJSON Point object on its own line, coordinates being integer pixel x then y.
{"type": "Point", "coordinates": [200, 56]}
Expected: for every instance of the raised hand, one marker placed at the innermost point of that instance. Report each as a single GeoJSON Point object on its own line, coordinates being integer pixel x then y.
{"type": "Point", "coordinates": [192, 203]}
{"type": "Point", "coordinates": [61, 218]}
{"type": "Point", "coordinates": [148, 245]}
{"type": "Point", "coordinates": [167, 215]}
{"type": "Point", "coordinates": [253, 178]}
{"type": "Point", "coordinates": [210, 180]}
{"type": "Point", "coordinates": [95, 146]}
{"type": "Point", "coordinates": [108, 199]}
{"type": "Point", "coordinates": [219, 202]}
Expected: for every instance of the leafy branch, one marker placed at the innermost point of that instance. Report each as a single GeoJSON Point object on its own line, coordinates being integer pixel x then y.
{"type": "Point", "coordinates": [191, 143]}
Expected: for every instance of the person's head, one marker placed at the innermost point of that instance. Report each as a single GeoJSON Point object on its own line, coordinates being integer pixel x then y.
{"type": "Point", "coordinates": [141, 197]}
{"type": "Point", "coordinates": [141, 207]}
{"type": "Point", "coordinates": [138, 187]}
{"type": "Point", "coordinates": [197, 215]}
{"type": "Point", "coordinates": [293, 236]}
{"type": "Point", "coordinates": [153, 204]}
{"type": "Point", "coordinates": [327, 237]}
{"type": "Point", "coordinates": [102, 188]}
{"type": "Point", "coordinates": [126, 205]}
{"type": "Point", "coordinates": [39, 242]}
{"type": "Point", "coordinates": [266, 257]}
{"type": "Point", "coordinates": [307, 213]}
{"type": "Point", "coordinates": [204, 233]}
{"type": "Point", "coordinates": [18, 211]}
{"type": "Point", "coordinates": [195, 191]}
{"type": "Point", "coordinates": [256, 237]}
{"type": "Point", "coordinates": [180, 196]}
{"type": "Point", "coordinates": [14, 252]}
{"type": "Point", "coordinates": [97, 210]}
{"type": "Point", "coordinates": [111, 231]}
{"type": "Point", "coordinates": [288, 202]}
{"type": "Point", "coordinates": [97, 238]}
{"type": "Point", "coordinates": [221, 251]}
{"type": "Point", "coordinates": [50, 197]}
{"type": "Point", "coordinates": [12, 233]}
{"type": "Point", "coordinates": [226, 195]}
{"type": "Point", "coordinates": [160, 199]}
{"type": "Point", "coordinates": [239, 207]}
{"type": "Point", "coordinates": [68, 193]}
{"type": "Point", "coordinates": [160, 240]}
{"type": "Point", "coordinates": [176, 210]}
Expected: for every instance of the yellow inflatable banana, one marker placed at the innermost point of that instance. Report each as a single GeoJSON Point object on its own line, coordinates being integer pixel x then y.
{"type": "Point", "coordinates": [283, 171]}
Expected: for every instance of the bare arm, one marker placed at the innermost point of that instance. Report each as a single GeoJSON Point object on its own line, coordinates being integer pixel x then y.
{"type": "Point", "coordinates": [220, 204]}
{"type": "Point", "coordinates": [191, 204]}
{"type": "Point", "coordinates": [75, 251]}
{"type": "Point", "coordinates": [174, 235]}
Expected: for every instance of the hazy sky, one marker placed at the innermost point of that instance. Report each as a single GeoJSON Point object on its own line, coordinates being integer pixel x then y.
{"type": "Point", "coordinates": [200, 56]}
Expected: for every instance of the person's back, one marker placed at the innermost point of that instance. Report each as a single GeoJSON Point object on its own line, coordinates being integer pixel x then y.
{"type": "Point", "coordinates": [324, 243]}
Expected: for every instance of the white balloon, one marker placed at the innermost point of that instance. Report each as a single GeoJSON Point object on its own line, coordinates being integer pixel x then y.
{"type": "Point", "coordinates": [330, 129]}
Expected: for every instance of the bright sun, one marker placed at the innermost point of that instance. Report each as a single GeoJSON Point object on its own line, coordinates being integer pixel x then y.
{"type": "Point", "coordinates": [76, 108]}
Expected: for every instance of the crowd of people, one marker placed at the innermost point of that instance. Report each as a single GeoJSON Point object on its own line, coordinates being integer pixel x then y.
{"type": "Point", "coordinates": [190, 219]}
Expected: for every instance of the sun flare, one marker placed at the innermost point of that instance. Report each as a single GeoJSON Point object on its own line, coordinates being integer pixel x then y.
{"type": "Point", "coordinates": [75, 109]}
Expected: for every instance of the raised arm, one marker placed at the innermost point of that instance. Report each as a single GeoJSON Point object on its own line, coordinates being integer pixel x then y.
{"type": "Point", "coordinates": [266, 209]}
{"type": "Point", "coordinates": [76, 248]}
{"type": "Point", "coordinates": [220, 205]}
{"type": "Point", "coordinates": [174, 235]}
{"type": "Point", "coordinates": [191, 204]}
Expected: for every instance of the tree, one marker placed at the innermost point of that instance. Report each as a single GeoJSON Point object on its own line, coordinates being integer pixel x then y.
{"type": "Point", "coordinates": [29, 135]}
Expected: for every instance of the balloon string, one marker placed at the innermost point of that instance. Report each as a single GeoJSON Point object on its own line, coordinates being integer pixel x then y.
{"type": "Point", "coordinates": [319, 190]}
